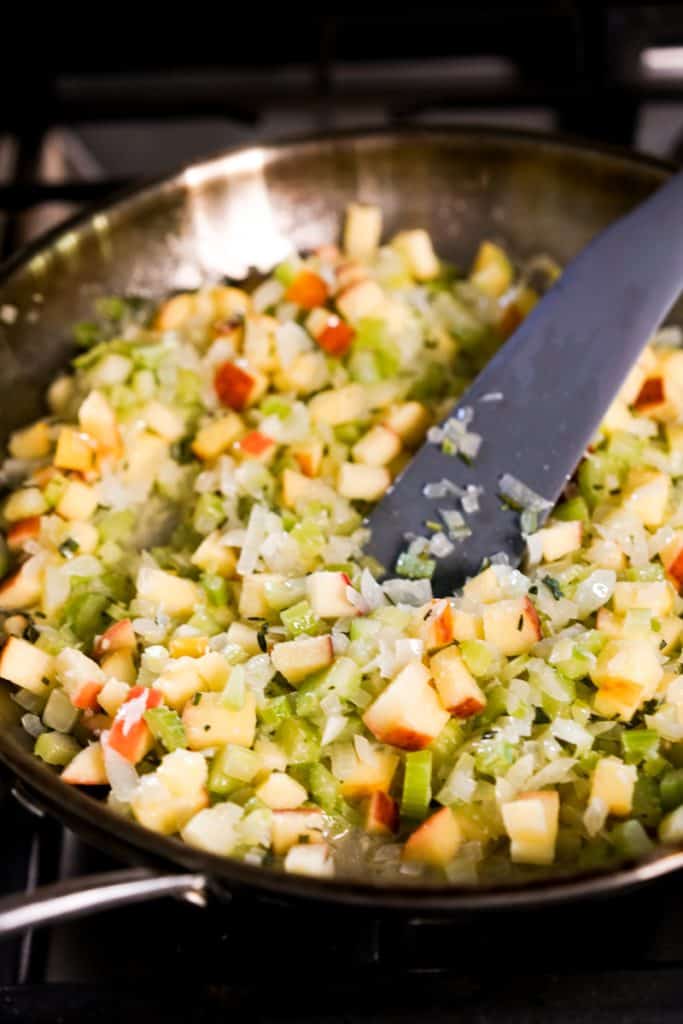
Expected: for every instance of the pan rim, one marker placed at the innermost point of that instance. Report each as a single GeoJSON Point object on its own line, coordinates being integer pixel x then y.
{"type": "Point", "coordinates": [86, 814]}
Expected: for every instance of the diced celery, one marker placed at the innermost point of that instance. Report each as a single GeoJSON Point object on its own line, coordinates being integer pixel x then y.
{"type": "Point", "coordinates": [84, 614]}
{"type": "Point", "coordinates": [415, 567]}
{"type": "Point", "coordinates": [309, 537]}
{"type": "Point", "coordinates": [300, 618]}
{"type": "Point", "coordinates": [348, 433]}
{"type": "Point", "coordinates": [188, 386]}
{"type": "Point", "coordinates": [493, 755]}
{"type": "Point", "coordinates": [626, 448]}
{"type": "Point", "coordinates": [117, 526]}
{"type": "Point", "coordinates": [324, 788]}
{"type": "Point", "coordinates": [307, 700]}
{"type": "Point", "coordinates": [573, 508]}
{"type": "Point", "coordinates": [284, 593]}
{"type": "Point", "coordinates": [576, 667]}
{"type": "Point", "coordinates": [671, 789]}
{"type": "Point", "coordinates": [478, 657]}
{"type": "Point", "coordinates": [55, 748]}
{"type": "Point", "coordinates": [593, 474]}
{"type": "Point", "coordinates": [167, 727]}
{"type": "Point", "coordinates": [59, 713]}
{"type": "Point", "coordinates": [54, 490]}
{"type": "Point", "coordinates": [645, 573]}
{"type": "Point", "coordinates": [646, 804]}
{"type": "Point", "coordinates": [276, 710]}
{"type": "Point", "coordinates": [639, 745]}
{"type": "Point", "coordinates": [371, 337]}
{"type": "Point", "coordinates": [274, 405]}
{"type": "Point", "coordinates": [299, 740]}
{"type": "Point", "coordinates": [364, 629]}
{"type": "Point", "coordinates": [87, 334]}
{"type": "Point", "coordinates": [417, 784]}
{"type": "Point", "coordinates": [231, 768]}
{"type": "Point", "coordinates": [209, 513]}
{"type": "Point", "coordinates": [205, 622]}
{"type": "Point", "coordinates": [343, 678]}
{"type": "Point", "coordinates": [631, 840]}
{"type": "Point", "coordinates": [445, 745]}
{"type": "Point", "coordinates": [591, 642]}
{"type": "Point", "coordinates": [235, 690]}
{"type": "Point", "coordinates": [285, 273]}
{"type": "Point", "coordinates": [216, 589]}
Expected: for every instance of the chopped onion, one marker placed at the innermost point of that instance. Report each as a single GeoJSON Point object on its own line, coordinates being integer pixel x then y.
{"type": "Point", "coordinates": [122, 775]}
{"type": "Point", "coordinates": [595, 816]}
{"type": "Point", "coordinates": [412, 592]}
{"type": "Point", "coordinates": [440, 545]}
{"type": "Point", "coordinates": [267, 294]}
{"type": "Point", "coordinates": [372, 592]}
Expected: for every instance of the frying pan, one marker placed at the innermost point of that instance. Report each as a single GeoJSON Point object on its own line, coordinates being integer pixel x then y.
{"type": "Point", "coordinates": [245, 209]}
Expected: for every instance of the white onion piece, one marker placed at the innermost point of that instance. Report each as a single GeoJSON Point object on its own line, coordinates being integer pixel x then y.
{"type": "Point", "coordinates": [122, 775]}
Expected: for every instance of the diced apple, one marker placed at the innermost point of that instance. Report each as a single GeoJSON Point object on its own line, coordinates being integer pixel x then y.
{"type": "Point", "coordinates": [363, 483]}
{"type": "Point", "coordinates": [616, 418]}
{"type": "Point", "coordinates": [492, 270]}
{"type": "Point", "coordinates": [378, 447]}
{"type": "Point", "coordinates": [291, 827]}
{"type": "Point", "coordinates": [350, 272]}
{"type": "Point", "coordinates": [436, 841]}
{"type": "Point", "coordinates": [297, 659]}
{"type": "Point", "coordinates": [120, 636]}
{"type": "Point", "coordinates": [25, 665]}
{"type": "Point", "coordinates": [297, 488]}
{"type": "Point", "coordinates": [178, 683]}
{"type": "Point", "coordinates": [271, 755]}
{"type": "Point", "coordinates": [166, 799]}
{"type": "Point", "coordinates": [22, 531]}
{"type": "Point", "coordinates": [213, 829]}
{"type": "Point", "coordinates": [656, 596]}
{"type": "Point", "coordinates": [306, 373]}
{"type": "Point", "coordinates": [216, 437]}
{"type": "Point", "coordinates": [309, 456]}
{"type": "Point", "coordinates": [513, 625]}
{"type": "Point", "coordinates": [281, 792]}
{"type": "Point", "coordinates": [239, 386]}
{"type": "Point", "coordinates": [78, 501]}
{"type": "Point", "coordinates": [531, 822]}
{"type": "Point", "coordinates": [211, 723]}
{"type": "Point", "coordinates": [484, 588]}
{"type": "Point", "coordinates": [24, 587]}
{"type": "Point", "coordinates": [86, 768]}
{"type": "Point", "coordinates": [362, 230]}
{"type": "Point", "coordinates": [328, 595]}
{"type": "Point", "coordinates": [416, 250]}
{"type": "Point", "coordinates": [85, 535]}
{"type": "Point", "coordinates": [672, 559]}
{"type": "Point", "coordinates": [648, 496]}
{"type": "Point", "coordinates": [256, 445]}
{"type": "Point", "coordinates": [381, 814]}
{"type": "Point", "coordinates": [467, 626]}
{"type": "Point", "coordinates": [97, 419]}
{"type": "Point", "coordinates": [214, 556]}
{"type": "Point", "coordinates": [74, 451]}
{"type": "Point", "coordinates": [457, 688]}
{"type": "Point", "coordinates": [560, 539]}
{"type": "Point", "coordinates": [609, 623]}
{"type": "Point", "coordinates": [119, 665]}
{"type": "Point", "coordinates": [144, 458]}
{"type": "Point", "coordinates": [253, 603]}
{"type": "Point", "coordinates": [113, 694]}
{"type": "Point", "coordinates": [627, 672]}
{"type": "Point", "coordinates": [343, 405]}
{"type": "Point", "coordinates": [437, 624]}
{"type": "Point", "coordinates": [31, 443]}
{"type": "Point", "coordinates": [218, 303]}
{"type": "Point", "coordinates": [371, 774]}
{"type": "Point", "coordinates": [613, 783]}
{"type": "Point", "coordinates": [214, 670]}
{"type": "Point", "coordinates": [171, 594]}
{"type": "Point", "coordinates": [361, 300]}
{"type": "Point", "coordinates": [408, 713]}
{"type": "Point", "coordinates": [410, 420]}
{"type": "Point", "coordinates": [245, 637]}
{"type": "Point", "coordinates": [315, 860]}
{"type": "Point", "coordinates": [130, 736]}
{"type": "Point", "coordinates": [25, 503]}
{"type": "Point", "coordinates": [164, 421]}
{"type": "Point", "coordinates": [75, 670]}
{"type": "Point", "coordinates": [259, 342]}
{"type": "Point", "coordinates": [188, 646]}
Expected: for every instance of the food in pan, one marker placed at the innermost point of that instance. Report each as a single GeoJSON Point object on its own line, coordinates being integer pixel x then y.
{"type": "Point", "coordinates": [194, 632]}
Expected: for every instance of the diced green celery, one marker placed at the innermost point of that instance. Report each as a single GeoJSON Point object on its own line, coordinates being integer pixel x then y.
{"type": "Point", "coordinates": [299, 740]}
{"type": "Point", "coordinates": [205, 622]}
{"type": "Point", "coordinates": [209, 513]}
{"type": "Point", "coordinates": [116, 526]}
{"type": "Point", "coordinates": [235, 691]}
{"type": "Point", "coordinates": [399, 618]}
{"type": "Point", "coordinates": [309, 537]}
{"type": "Point", "coordinates": [626, 448]}
{"type": "Point", "coordinates": [364, 629]}
{"type": "Point", "coordinates": [237, 763]}
{"type": "Point", "coordinates": [348, 433]}
{"type": "Point", "coordinates": [276, 710]}
{"type": "Point", "coordinates": [54, 490]}
{"type": "Point", "coordinates": [149, 356]}
{"type": "Point", "coordinates": [274, 405]}
{"type": "Point", "coordinates": [493, 755]}
{"type": "Point", "coordinates": [415, 567]}
{"type": "Point", "coordinates": [645, 573]}
{"type": "Point", "coordinates": [84, 614]}
{"type": "Point", "coordinates": [285, 273]}
{"type": "Point", "coordinates": [118, 586]}
{"type": "Point", "coordinates": [639, 745]}
{"type": "Point", "coordinates": [167, 727]}
{"type": "Point", "coordinates": [188, 386]}
{"type": "Point", "coordinates": [417, 784]}
{"type": "Point", "coordinates": [307, 701]}
{"type": "Point", "coordinates": [573, 508]}
{"type": "Point", "coordinates": [443, 748]}
{"type": "Point", "coordinates": [87, 333]}
{"type": "Point", "coordinates": [56, 748]}
{"type": "Point", "coordinates": [300, 618]}
{"type": "Point", "coordinates": [284, 593]}
{"type": "Point", "coordinates": [646, 804]}
{"type": "Point", "coordinates": [216, 589]}
{"type": "Point", "coordinates": [324, 788]}
{"type": "Point", "coordinates": [478, 657]}
{"type": "Point", "coordinates": [671, 789]}
{"type": "Point", "coordinates": [576, 667]}
{"type": "Point", "coordinates": [592, 477]}
{"type": "Point", "coordinates": [343, 678]}
{"type": "Point", "coordinates": [363, 368]}
{"type": "Point", "coordinates": [371, 337]}
{"type": "Point", "coordinates": [59, 713]}
{"type": "Point", "coordinates": [631, 840]}
{"type": "Point", "coordinates": [591, 642]}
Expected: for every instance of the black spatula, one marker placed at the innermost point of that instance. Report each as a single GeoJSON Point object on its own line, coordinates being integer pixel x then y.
{"type": "Point", "coordinates": [557, 375]}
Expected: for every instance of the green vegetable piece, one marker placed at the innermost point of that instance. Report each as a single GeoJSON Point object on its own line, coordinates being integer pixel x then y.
{"type": "Point", "coordinates": [55, 748]}
{"type": "Point", "coordinates": [477, 656]}
{"type": "Point", "coordinates": [639, 745]}
{"type": "Point", "coordinates": [216, 589]}
{"type": "Point", "coordinates": [574, 508]}
{"type": "Point", "coordinates": [167, 727]}
{"type": "Point", "coordinates": [300, 618]}
{"type": "Point", "coordinates": [417, 784]}
{"type": "Point", "coordinates": [299, 740]}
{"type": "Point", "coordinates": [324, 788]}
{"type": "Point", "coordinates": [285, 273]}
{"type": "Point", "coordinates": [671, 789]}
{"type": "Point", "coordinates": [209, 513]}
{"type": "Point", "coordinates": [631, 840]}
{"type": "Point", "coordinates": [647, 804]}
{"type": "Point", "coordinates": [59, 713]}
{"type": "Point", "coordinates": [275, 711]}
{"type": "Point", "coordinates": [415, 567]}
{"type": "Point", "coordinates": [235, 691]}
{"type": "Point", "coordinates": [87, 333]}
{"type": "Point", "coordinates": [84, 613]}
{"type": "Point", "coordinates": [232, 767]}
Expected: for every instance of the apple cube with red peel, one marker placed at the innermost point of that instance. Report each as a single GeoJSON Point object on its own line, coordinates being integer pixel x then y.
{"type": "Point", "coordinates": [613, 783]}
{"type": "Point", "coordinates": [370, 775]}
{"type": "Point", "coordinates": [25, 665]}
{"type": "Point", "coordinates": [378, 447]}
{"type": "Point", "coordinates": [211, 723]}
{"type": "Point", "coordinates": [652, 400]}
{"type": "Point", "coordinates": [410, 420]}
{"type": "Point", "coordinates": [559, 540]}
{"type": "Point", "coordinates": [297, 659]}
{"type": "Point", "coordinates": [309, 456]}
{"type": "Point", "coordinates": [216, 437]}
{"type": "Point", "coordinates": [512, 625]}
{"type": "Point", "coordinates": [120, 636]}
{"type": "Point", "coordinates": [436, 841]}
{"type": "Point", "coordinates": [237, 386]}
{"type": "Point", "coordinates": [130, 736]}
{"type": "Point", "coordinates": [381, 814]}
{"type": "Point", "coordinates": [328, 595]}
{"type": "Point", "coordinates": [408, 713]}
{"type": "Point", "coordinates": [22, 531]}
{"type": "Point", "coordinates": [289, 828]}
{"type": "Point", "coordinates": [362, 230]}
{"type": "Point", "coordinates": [363, 483]}
{"type": "Point", "coordinates": [81, 677]}
{"type": "Point", "coordinates": [531, 822]}
{"type": "Point", "coordinates": [256, 445]}
{"type": "Point", "coordinates": [119, 665]}
{"type": "Point", "coordinates": [24, 587]}
{"type": "Point", "coordinates": [86, 768]}
{"type": "Point", "coordinates": [281, 792]}
{"type": "Point", "coordinates": [672, 559]}
{"type": "Point", "coordinates": [332, 334]}
{"type": "Point", "coordinates": [456, 686]}
{"type": "Point", "coordinates": [437, 624]}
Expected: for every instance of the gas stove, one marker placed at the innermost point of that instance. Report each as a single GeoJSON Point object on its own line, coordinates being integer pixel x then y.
{"type": "Point", "coordinates": [615, 75]}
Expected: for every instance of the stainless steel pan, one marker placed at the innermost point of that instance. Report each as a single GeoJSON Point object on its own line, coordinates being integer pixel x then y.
{"type": "Point", "coordinates": [535, 193]}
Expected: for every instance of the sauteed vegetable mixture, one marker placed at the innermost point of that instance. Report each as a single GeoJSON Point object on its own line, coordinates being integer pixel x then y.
{"type": "Point", "coordinates": [193, 630]}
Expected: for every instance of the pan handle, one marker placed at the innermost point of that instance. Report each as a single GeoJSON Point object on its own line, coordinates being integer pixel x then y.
{"type": "Point", "coordinates": [80, 896]}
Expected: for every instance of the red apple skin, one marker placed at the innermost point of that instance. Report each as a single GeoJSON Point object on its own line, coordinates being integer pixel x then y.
{"type": "Point", "coordinates": [21, 531]}
{"type": "Point", "coordinates": [256, 444]}
{"type": "Point", "coordinates": [307, 290]}
{"type": "Point", "coordinates": [118, 637]}
{"type": "Point", "coordinates": [306, 464]}
{"type": "Point", "coordinates": [233, 385]}
{"type": "Point", "coordinates": [336, 337]}
{"type": "Point", "coordinates": [132, 743]}
{"type": "Point", "coordinates": [406, 739]}
{"type": "Point", "coordinates": [381, 816]}
{"type": "Point", "coordinates": [467, 708]}
{"type": "Point", "coordinates": [86, 696]}
{"type": "Point", "coordinates": [651, 394]}
{"type": "Point", "coordinates": [530, 613]}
